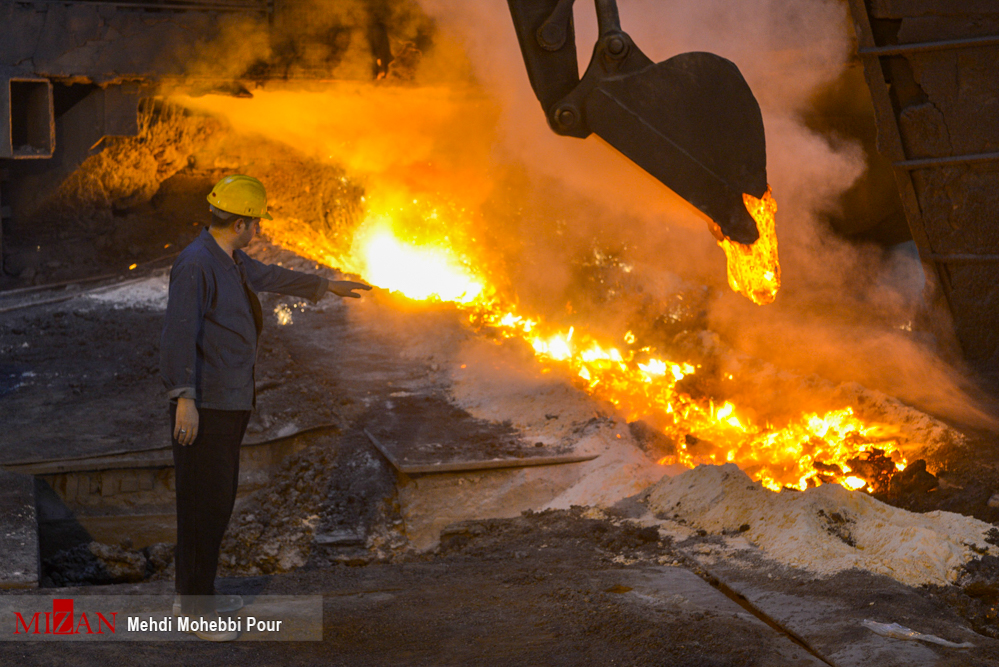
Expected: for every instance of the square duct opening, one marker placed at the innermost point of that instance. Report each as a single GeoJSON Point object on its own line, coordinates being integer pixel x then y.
{"type": "Point", "coordinates": [32, 123]}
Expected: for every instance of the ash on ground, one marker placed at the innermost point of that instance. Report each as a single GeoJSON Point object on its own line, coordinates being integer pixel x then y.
{"type": "Point", "coordinates": [579, 530]}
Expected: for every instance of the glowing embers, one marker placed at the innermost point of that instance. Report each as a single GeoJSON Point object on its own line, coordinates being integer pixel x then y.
{"type": "Point", "coordinates": [283, 314]}
{"type": "Point", "coordinates": [835, 447]}
{"type": "Point", "coordinates": [418, 271]}
{"type": "Point", "coordinates": [754, 270]}
{"type": "Point", "coordinates": [812, 449]}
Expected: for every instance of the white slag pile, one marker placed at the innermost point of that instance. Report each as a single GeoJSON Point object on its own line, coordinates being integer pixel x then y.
{"type": "Point", "coordinates": [825, 529]}
{"type": "Point", "coordinates": [150, 292]}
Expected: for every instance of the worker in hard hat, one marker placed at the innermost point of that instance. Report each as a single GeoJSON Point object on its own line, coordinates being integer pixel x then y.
{"type": "Point", "coordinates": [207, 355]}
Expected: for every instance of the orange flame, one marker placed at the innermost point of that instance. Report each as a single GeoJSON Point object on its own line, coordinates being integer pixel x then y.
{"type": "Point", "coordinates": [754, 270]}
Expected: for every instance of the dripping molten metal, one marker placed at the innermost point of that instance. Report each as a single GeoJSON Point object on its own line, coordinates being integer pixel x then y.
{"type": "Point", "coordinates": [754, 270]}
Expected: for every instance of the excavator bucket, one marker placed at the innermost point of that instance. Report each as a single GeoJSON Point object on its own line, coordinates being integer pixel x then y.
{"type": "Point", "coordinates": [691, 121]}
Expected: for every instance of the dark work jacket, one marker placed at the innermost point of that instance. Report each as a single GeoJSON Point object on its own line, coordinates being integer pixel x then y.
{"type": "Point", "coordinates": [209, 342]}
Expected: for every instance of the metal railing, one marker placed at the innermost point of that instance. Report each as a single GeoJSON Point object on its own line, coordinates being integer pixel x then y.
{"type": "Point", "coordinates": [263, 6]}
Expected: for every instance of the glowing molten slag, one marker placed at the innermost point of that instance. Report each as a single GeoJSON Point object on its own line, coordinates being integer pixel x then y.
{"type": "Point", "coordinates": [419, 272]}
{"type": "Point", "coordinates": [398, 255]}
{"type": "Point", "coordinates": [754, 270]}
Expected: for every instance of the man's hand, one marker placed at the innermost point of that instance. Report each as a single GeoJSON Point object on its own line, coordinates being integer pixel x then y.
{"type": "Point", "coordinates": [185, 429]}
{"type": "Point", "coordinates": [346, 287]}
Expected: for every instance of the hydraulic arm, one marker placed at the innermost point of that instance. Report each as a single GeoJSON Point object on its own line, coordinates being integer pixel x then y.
{"type": "Point", "coordinates": [690, 121]}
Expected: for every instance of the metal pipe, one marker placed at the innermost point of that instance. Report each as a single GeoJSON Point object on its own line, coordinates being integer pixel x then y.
{"type": "Point", "coordinates": [964, 258]}
{"type": "Point", "coordinates": [124, 458]}
{"type": "Point", "coordinates": [469, 466]}
{"type": "Point", "coordinates": [64, 283]}
{"type": "Point", "coordinates": [920, 47]}
{"type": "Point", "coordinates": [918, 163]}
{"type": "Point", "coordinates": [607, 17]}
{"type": "Point", "coordinates": [263, 8]}
{"type": "Point", "coordinates": [498, 464]}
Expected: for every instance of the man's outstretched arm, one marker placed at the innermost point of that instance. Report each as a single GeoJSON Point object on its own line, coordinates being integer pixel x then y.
{"type": "Point", "coordinates": [273, 278]}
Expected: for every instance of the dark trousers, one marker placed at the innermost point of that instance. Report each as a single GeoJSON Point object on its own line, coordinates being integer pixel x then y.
{"type": "Point", "coordinates": [207, 474]}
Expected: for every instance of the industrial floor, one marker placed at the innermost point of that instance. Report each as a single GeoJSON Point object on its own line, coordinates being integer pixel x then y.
{"type": "Point", "coordinates": [546, 589]}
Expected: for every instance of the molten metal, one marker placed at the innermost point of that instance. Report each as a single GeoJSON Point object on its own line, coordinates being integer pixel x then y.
{"type": "Point", "coordinates": [810, 450]}
{"type": "Point", "coordinates": [754, 271]}
{"type": "Point", "coordinates": [420, 272]}
{"type": "Point", "coordinates": [416, 245]}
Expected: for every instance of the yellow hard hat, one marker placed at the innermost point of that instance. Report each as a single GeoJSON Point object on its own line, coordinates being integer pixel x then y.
{"type": "Point", "coordinates": [242, 195]}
